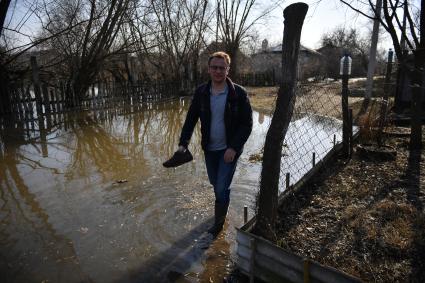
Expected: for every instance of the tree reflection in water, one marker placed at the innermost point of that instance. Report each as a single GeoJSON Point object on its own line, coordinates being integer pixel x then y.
{"type": "Point", "coordinates": [28, 241]}
{"type": "Point", "coordinates": [65, 218]}
{"type": "Point", "coordinates": [85, 198]}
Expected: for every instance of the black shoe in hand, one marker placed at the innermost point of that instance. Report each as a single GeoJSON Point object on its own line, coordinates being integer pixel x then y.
{"type": "Point", "coordinates": [179, 158]}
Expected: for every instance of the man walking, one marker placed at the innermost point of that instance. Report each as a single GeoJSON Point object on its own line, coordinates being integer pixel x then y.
{"type": "Point", "coordinates": [226, 123]}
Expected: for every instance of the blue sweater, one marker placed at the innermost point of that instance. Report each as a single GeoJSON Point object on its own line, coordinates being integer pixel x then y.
{"type": "Point", "coordinates": [218, 129]}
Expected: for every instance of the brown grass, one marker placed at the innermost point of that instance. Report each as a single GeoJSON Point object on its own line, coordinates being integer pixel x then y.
{"type": "Point", "coordinates": [263, 99]}
{"type": "Point", "coordinates": [325, 100]}
{"type": "Point", "coordinates": [359, 217]}
{"type": "Point", "coordinates": [398, 234]}
{"type": "Point", "coordinates": [386, 223]}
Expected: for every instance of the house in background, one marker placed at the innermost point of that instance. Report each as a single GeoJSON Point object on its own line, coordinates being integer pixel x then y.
{"type": "Point", "coordinates": [269, 59]}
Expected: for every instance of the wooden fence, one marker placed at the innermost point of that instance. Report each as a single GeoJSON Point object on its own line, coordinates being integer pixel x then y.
{"type": "Point", "coordinates": [35, 98]}
{"type": "Point", "coordinates": [27, 104]}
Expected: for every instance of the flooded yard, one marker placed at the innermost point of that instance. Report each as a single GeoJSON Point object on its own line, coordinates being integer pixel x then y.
{"type": "Point", "coordinates": [90, 201]}
{"type": "Point", "coordinates": [93, 203]}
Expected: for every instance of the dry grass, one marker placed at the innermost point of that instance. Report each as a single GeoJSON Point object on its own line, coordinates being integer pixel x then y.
{"type": "Point", "coordinates": [263, 99]}
{"type": "Point", "coordinates": [385, 223]}
{"type": "Point", "coordinates": [363, 217]}
{"type": "Point", "coordinates": [325, 99]}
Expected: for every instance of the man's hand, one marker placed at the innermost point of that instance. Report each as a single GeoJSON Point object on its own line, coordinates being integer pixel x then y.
{"type": "Point", "coordinates": [229, 155]}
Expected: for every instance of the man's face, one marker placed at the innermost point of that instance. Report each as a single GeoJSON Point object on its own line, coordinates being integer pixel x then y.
{"type": "Point", "coordinates": [218, 70]}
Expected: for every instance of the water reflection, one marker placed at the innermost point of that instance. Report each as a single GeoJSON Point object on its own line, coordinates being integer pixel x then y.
{"type": "Point", "coordinates": [28, 240]}
{"type": "Point", "coordinates": [88, 199]}
{"type": "Point", "coordinates": [308, 134]}
{"type": "Point", "coordinates": [84, 197]}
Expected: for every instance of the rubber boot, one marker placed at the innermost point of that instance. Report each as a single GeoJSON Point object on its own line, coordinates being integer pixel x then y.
{"type": "Point", "coordinates": [220, 212]}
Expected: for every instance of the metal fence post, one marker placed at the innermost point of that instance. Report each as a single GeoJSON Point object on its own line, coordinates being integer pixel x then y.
{"type": "Point", "coordinates": [350, 131]}
{"type": "Point", "coordinates": [384, 106]}
{"type": "Point", "coordinates": [345, 72]}
{"type": "Point", "coordinates": [245, 214]}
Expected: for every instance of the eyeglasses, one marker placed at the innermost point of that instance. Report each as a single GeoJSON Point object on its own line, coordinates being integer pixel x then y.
{"type": "Point", "coordinates": [218, 68]}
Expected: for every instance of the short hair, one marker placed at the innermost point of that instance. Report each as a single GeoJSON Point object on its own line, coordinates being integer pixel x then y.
{"type": "Point", "coordinates": [220, 54]}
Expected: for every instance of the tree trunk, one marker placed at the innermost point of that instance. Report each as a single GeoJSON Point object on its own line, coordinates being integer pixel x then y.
{"type": "Point", "coordinates": [269, 185]}
{"type": "Point", "coordinates": [418, 83]}
{"type": "Point", "coordinates": [372, 52]}
{"type": "Point", "coordinates": [5, 107]}
{"type": "Point", "coordinates": [233, 53]}
{"type": "Point", "coordinates": [4, 6]}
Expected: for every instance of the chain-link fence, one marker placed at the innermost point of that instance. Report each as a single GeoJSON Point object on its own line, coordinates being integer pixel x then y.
{"type": "Point", "coordinates": [316, 126]}
{"type": "Point", "coordinates": [315, 129]}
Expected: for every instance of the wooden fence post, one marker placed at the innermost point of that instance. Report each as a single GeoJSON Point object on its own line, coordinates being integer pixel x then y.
{"type": "Point", "coordinates": [45, 96]}
{"type": "Point", "coordinates": [46, 102]}
{"type": "Point", "coordinates": [37, 89]}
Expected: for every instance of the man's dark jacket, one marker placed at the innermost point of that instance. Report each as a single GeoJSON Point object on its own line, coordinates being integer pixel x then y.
{"type": "Point", "coordinates": [237, 116]}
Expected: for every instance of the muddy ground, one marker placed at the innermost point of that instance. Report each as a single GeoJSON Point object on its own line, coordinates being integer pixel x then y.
{"type": "Point", "coordinates": [364, 216]}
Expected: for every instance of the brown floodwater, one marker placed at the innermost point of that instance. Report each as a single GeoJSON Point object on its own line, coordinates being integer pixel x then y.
{"type": "Point", "coordinates": [85, 198]}
{"type": "Point", "coordinates": [88, 200]}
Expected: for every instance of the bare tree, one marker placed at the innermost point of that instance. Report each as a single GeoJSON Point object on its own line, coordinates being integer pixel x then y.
{"type": "Point", "coordinates": [170, 34]}
{"type": "Point", "coordinates": [392, 21]}
{"type": "Point", "coordinates": [235, 20]}
{"type": "Point", "coordinates": [5, 72]}
{"type": "Point", "coordinates": [412, 35]}
{"type": "Point", "coordinates": [84, 47]}
{"type": "Point", "coordinates": [372, 52]}
{"type": "Point", "coordinates": [339, 41]}
{"type": "Point", "coordinates": [4, 98]}
{"type": "Point", "coordinates": [4, 6]}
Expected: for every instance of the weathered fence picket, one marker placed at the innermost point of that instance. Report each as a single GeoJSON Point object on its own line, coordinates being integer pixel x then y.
{"type": "Point", "coordinates": [37, 99]}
